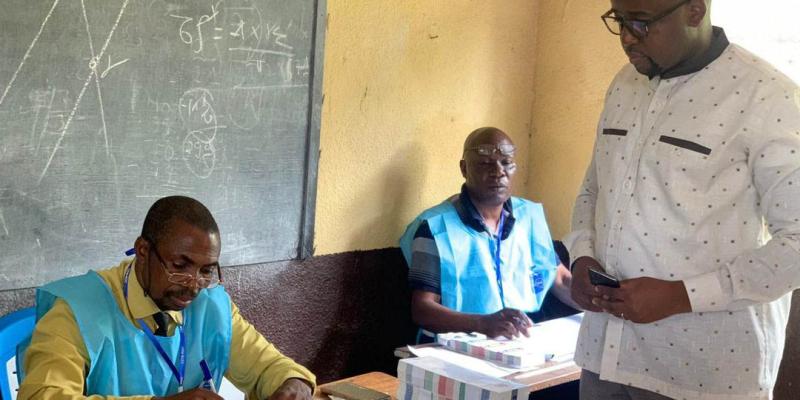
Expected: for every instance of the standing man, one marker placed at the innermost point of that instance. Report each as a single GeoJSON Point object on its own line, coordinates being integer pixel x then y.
{"type": "Point", "coordinates": [142, 328]}
{"type": "Point", "coordinates": [482, 259]}
{"type": "Point", "coordinates": [691, 200]}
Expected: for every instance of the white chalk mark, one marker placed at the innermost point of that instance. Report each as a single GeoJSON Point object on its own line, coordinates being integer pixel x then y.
{"type": "Point", "coordinates": [28, 52]}
{"type": "Point", "coordinates": [113, 28]}
{"type": "Point", "coordinates": [209, 128]}
{"type": "Point", "coordinates": [89, 34]}
{"type": "Point", "coordinates": [111, 66]}
{"type": "Point", "coordinates": [46, 122]}
{"type": "Point", "coordinates": [185, 36]}
{"type": "Point", "coordinates": [288, 71]}
{"type": "Point", "coordinates": [202, 20]}
{"type": "Point", "coordinates": [3, 222]}
{"type": "Point", "coordinates": [102, 113]}
{"type": "Point", "coordinates": [92, 72]}
{"type": "Point", "coordinates": [261, 51]}
{"type": "Point", "coordinates": [279, 37]}
{"type": "Point", "coordinates": [34, 143]}
{"type": "Point", "coordinates": [134, 94]}
{"type": "Point", "coordinates": [93, 66]}
{"type": "Point", "coordinates": [64, 129]}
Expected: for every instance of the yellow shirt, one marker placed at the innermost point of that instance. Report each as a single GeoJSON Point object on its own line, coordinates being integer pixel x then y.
{"type": "Point", "coordinates": [56, 361]}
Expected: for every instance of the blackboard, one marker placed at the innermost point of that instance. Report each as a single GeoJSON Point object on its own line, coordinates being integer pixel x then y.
{"type": "Point", "coordinates": [107, 105]}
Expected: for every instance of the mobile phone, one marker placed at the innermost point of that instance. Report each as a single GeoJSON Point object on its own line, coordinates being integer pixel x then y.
{"type": "Point", "coordinates": [351, 391]}
{"type": "Point", "coordinates": [598, 278]}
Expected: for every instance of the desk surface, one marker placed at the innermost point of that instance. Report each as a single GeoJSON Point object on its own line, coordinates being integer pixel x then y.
{"type": "Point", "coordinates": [547, 375]}
{"type": "Point", "coordinates": [374, 380]}
{"type": "Point", "coordinates": [550, 374]}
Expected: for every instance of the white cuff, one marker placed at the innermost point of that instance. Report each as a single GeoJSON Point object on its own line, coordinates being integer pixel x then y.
{"type": "Point", "coordinates": [705, 292]}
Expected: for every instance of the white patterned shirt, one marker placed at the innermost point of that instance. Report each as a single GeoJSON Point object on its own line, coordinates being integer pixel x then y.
{"type": "Point", "coordinates": [689, 178]}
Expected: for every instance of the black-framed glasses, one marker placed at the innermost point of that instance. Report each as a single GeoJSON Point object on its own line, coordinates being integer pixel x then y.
{"type": "Point", "coordinates": [488, 150]}
{"type": "Point", "coordinates": [204, 280]}
{"type": "Point", "coordinates": [636, 27]}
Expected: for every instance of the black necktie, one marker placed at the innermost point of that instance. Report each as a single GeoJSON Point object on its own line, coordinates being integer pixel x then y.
{"type": "Point", "coordinates": [161, 324]}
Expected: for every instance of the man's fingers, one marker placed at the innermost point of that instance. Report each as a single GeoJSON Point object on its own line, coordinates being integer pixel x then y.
{"type": "Point", "coordinates": [527, 320]}
{"type": "Point", "coordinates": [608, 293]}
{"type": "Point", "coordinates": [525, 332]}
{"type": "Point", "coordinates": [521, 325]}
{"type": "Point", "coordinates": [614, 308]}
{"type": "Point", "coordinates": [521, 319]}
{"type": "Point", "coordinates": [585, 301]}
{"type": "Point", "coordinates": [508, 329]}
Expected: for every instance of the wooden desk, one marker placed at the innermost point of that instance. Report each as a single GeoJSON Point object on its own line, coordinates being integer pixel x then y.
{"type": "Point", "coordinates": [550, 374]}
{"type": "Point", "coordinates": [547, 375]}
{"type": "Point", "coordinates": [374, 380]}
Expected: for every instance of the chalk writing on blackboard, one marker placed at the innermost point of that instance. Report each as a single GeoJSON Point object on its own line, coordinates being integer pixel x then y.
{"type": "Point", "coordinates": [108, 104]}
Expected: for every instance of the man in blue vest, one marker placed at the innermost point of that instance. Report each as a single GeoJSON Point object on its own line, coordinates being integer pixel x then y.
{"type": "Point", "coordinates": [155, 326]}
{"type": "Point", "coordinates": [482, 260]}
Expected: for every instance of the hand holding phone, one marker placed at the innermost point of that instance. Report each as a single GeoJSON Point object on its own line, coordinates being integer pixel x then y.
{"type": "Point", "coordinates": [598, 278]}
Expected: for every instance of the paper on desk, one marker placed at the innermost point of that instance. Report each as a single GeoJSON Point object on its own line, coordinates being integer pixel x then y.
{"type": "Point", "coordinates": [463, 360]}
{"type": "Point", "coordinates": [431, 372]}
{"type": "Point", "coordinates": [558, 336]}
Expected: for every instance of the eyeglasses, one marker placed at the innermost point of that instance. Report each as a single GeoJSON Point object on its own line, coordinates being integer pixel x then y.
{"type": "Point", "coordinates": [488, 150]}
{"type": "Point", "coordinates": [636, 27]}
{"type": "Point", "coordinates": [205, 280]}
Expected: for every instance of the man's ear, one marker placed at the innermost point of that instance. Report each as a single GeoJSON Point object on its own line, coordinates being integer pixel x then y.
{"type": "Point", "coordinates": [697, 12]}
{"type": "Point", "coordinates": [463, 165]}
{"type": "Point", "coordinates": [142, 247]}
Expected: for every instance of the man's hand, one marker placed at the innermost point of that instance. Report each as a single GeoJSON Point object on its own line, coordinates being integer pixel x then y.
{"type": "Point", "coordinates": [562, 287]}
{"type": "Point", "coordinates": [507, 322]}
{"type": "Point", "coordinates": [644, 300]}
{"type": "Point", "coordinates": [581, 288]}
{"type": "Point", "coordinates": [293, 389]}
{"type": "Point", "coordinates": [194, 394]}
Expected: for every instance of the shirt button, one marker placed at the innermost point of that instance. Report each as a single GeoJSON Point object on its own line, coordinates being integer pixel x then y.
{"type": "Point", "coordinates": [627, 184]}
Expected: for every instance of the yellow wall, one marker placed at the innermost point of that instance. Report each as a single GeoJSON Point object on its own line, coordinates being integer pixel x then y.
{"type": "Point", "coordinates": [576, 59]}
{"type": "Point", "coordinates": [404, 83]}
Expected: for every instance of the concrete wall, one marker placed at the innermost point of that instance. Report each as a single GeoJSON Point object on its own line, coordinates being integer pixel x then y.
{"type": "Point", "coordinates": [576, 59]}
{"type": "Point", "coordinates": [405, 82]}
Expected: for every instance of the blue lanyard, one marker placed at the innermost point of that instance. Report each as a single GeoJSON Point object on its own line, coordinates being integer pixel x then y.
{"type": "Point", "coordinates": [496, 257]}
{"type": "Point", "coordinates": [179, 371]}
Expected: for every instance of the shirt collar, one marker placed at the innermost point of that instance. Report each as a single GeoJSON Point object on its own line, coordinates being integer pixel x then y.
{"type": "Point", "coordinates": [472, 218]}
{"type": "Point", "coordinates": [719, 42]}
{"type": "Point", "coordinates": [142, 306]}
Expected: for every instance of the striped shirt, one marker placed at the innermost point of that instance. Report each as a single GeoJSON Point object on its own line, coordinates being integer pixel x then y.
{"type": "Point", "coordinates": [425, 270]}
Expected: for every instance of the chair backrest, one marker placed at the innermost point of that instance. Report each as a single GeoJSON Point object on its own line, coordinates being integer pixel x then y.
{"type": "Point", "coordinates": [15, 328]}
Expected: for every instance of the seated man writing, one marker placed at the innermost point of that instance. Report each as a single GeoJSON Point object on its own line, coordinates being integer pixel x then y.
{"type": "Point", "coordinates": [158, 325]}
{"type": "Point", "coordinates": [482, 259]}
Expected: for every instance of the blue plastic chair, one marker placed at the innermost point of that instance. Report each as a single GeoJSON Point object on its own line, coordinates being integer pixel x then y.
{"type": "Point", "coordinates": [15, 328]}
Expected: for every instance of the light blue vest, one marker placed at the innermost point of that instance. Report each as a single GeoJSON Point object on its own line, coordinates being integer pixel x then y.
{"type": "Point", "coordinates": [468, 280]}
{"type": "Point", "coordinates": [123, 360]}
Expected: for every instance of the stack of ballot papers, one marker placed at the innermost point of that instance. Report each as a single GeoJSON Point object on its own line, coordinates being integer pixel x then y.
{"type": "Point", "coordinates": [431, 378]}
{"type": "Point", "coordinates": [516, 353]}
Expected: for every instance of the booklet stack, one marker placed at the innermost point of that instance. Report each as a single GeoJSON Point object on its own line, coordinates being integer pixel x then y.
{"type": "Point", "coordinates": [430, 378]}
{"type": "Point", "coordinates": [518, 353]}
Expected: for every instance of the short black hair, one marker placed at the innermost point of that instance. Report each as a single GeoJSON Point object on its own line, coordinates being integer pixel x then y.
{"type": "Point", "coordinates": [167, 209]}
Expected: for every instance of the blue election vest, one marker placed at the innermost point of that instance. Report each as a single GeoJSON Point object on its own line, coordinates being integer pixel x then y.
{"type": "Point", "coordinates": [123, 362]}
{"type": "Point", "coordinates": [468, 277]}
